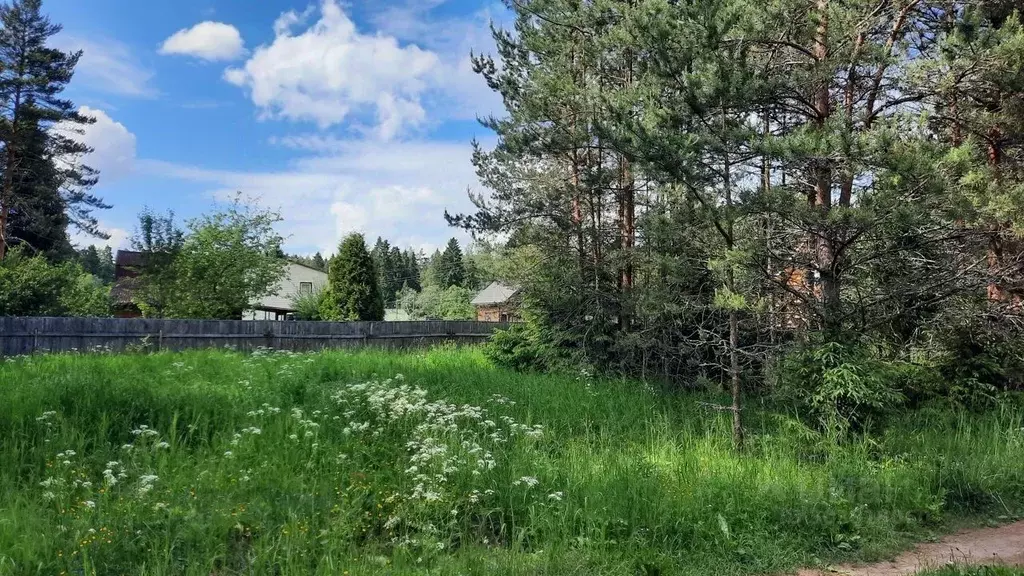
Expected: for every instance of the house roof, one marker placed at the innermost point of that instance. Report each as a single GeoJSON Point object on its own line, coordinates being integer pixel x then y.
{"type": "Point", "coordinates": [494, 293]}
{"type": "Point", "coordinates": [123, 290]}
{"type": "Point", "coordinates": [128, 258]}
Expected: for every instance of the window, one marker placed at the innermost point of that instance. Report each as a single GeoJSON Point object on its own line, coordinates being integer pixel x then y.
{"type": "Point", "coordinates": [305, 287]}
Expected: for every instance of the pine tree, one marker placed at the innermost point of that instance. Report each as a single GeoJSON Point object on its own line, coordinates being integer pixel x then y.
{"type": "Point", "coordinates": [319, 263]}
{"type": "Point", "coordinates": [411, 270]}
{"type": "Point", "coordinates": [979, 113]}
{"type": "Point", "coordinates": [38, 219]}
{"type": "Point", "coordinates": [107, 268]}
{"type": "Point", "coordinates": [450, 268]}
{"type": "Point", "coordinates": [353, 293]}
{"type": "Point", "coordinates": [32, 77]}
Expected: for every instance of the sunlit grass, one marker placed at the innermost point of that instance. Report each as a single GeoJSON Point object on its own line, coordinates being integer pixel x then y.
{"type": "Point", "coordinates": [322, 463]}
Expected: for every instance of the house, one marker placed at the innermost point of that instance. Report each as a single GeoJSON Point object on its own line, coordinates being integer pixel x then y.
{"type": "Point", "coordinates": [298, 280]}
{"type": "Point", "coordinates": [128, 265]}
{"type": "Point", "coordinates": [497, 303]}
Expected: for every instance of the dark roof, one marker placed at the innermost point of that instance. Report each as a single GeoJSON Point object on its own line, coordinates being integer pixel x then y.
{"type": "Point", "coordinates": [128, 258]}
{"type": "Point", "coordinates": [123, 290]}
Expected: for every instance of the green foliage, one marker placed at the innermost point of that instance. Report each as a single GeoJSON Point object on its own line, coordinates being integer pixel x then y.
{"type": "Point", "coordinates": [433, 302]}
{"type": "Point", "coordinates": [524, 348]}
{"type": "Point", "coordinates": [448, 268]}
{"type": "Point", "coordinates": [45, 185]}
{"type": "Point", "coordinates": [32, 286]}
{"type": "Point", "coordinates": [842, 387]}
{"type": "Point", "coordinates": [99, 263]}
{"type": "Point", "coordinates": [311, 306]}
{"type": "Point", "coordinates": [87, 295]}
{"type": "Point", "coordinates": [352, 292]}
{"type": "Point", "coordinates": [302, 464]}
{"type": "Point", "coordinates": [227, 260]}
{"type": "Point", "coordinates": [395, 269]}
{"type": "Point", "coordinates": [980, 360]}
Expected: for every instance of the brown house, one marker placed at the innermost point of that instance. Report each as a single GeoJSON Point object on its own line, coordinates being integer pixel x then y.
{"type": "Point", "coordinates": [128, 265]}
{"type": "Point", "coordinates": [497, 303]}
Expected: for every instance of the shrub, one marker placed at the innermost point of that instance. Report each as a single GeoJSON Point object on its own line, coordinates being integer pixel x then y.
{"type": "Point", "coordinates": [32, 286]}
{"type": "Point", "coordinates": [311, 306]}
{"type": "Point", "coordinates": [523, 348]}
{"type": "Point", "coordinates": [841, 387]}
{"type": "Point", "coordinates": [981, 360]}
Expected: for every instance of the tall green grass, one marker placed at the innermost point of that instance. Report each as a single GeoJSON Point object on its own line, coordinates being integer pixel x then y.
{"type": "Point", "coordinates": [215, 462]}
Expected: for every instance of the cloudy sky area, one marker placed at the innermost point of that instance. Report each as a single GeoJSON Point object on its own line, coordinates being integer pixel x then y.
{"type": "Point", "coordinates": [344, 116]}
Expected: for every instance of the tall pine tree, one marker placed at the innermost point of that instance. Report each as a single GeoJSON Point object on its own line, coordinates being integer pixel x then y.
{"type": "Point", "coordinates": [39, 161]}
{"type": "Point", "coordinates": [449, 266]}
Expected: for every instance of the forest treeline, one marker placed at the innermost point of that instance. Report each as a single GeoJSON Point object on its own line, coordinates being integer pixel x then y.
{"type": "Point", "coordinates": [718, 189]}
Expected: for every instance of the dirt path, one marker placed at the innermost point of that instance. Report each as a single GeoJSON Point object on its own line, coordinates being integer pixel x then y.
{"type": "Point", "coordinates": [1003, 545]}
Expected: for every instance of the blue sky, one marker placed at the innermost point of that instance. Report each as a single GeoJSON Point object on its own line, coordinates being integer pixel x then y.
{"type": "Point", "coordinates": [343, 116]}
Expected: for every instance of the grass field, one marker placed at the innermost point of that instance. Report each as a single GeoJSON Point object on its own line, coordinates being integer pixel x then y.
{"type": "Point", "coordinates": [434, 462]}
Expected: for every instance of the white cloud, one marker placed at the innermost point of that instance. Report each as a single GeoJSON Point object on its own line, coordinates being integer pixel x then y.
{"type": "Point", "coordinates": [118, 238]}
{"type": "Point", "coordinates": [464, 93]}
{"type": "Point", "coordinates": [112, 143]}
{"type": "Point", "coordinates": [397, 190]}
{"type": "Point", "coordinates": [108, 66]}
{"type": "Point", "coordinates": [210, 41]}
{"type": "Point", "coordinates": [331, 71]}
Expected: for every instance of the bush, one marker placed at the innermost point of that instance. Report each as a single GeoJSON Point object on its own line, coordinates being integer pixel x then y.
{"type": "Point", "coordinates": [841, 387]}
{"type": "Point", "coordinates": [32, 286]}
{"type": "Point", "coordinates": [523, 348]}
{"type": "Point", "coordinates": [311, 306]}
{"type": "Point", "coordinates": [981, 360]}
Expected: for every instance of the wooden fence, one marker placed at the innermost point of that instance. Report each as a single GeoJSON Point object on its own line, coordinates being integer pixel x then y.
{"type": "Point", "coordinates": [35, 335]}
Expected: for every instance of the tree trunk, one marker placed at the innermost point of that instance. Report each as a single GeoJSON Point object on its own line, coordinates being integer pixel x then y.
{"type": "Point", "coordinates": [730, 283]}
{"type": "Point", "coordinates": [996, 290]}
{"type": "Point", "coordinates": [823, 244]}
{"type": "Point", "coordinates": [734, 373]}
{"type": "Point", "coordinates": [996, 293]}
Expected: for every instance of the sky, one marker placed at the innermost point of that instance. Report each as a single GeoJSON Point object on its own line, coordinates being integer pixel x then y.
{"type": "Point", "coordinates": [341, 115]}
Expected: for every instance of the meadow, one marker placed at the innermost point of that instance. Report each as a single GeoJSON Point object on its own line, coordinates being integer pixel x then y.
{"type": "Point", "coordinates": [436, 462]}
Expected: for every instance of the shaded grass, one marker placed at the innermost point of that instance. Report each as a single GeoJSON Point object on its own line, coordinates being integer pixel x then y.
{"type": "Point", "coordinates": [648, 482]}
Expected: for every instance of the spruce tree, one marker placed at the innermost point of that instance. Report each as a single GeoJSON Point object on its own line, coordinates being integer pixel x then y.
{"type": "Point", "coordinates": [319, 263]}
{"type": "Point", "coordinates": [449, 268]}
{"type": "Point", "coordinates": [89, 259]}
{"type": "Point", "coordinates": [32, 77]}
{"type": "Point", "coordinates": [353, 293]}
{"type": "Point", "coordinates": [411, 275]}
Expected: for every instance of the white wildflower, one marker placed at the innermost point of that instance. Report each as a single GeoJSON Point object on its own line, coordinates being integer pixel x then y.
{"type": "Point", "coordinates": [556, 496]}
{"type": "Point", "coordinates": [89, 504]}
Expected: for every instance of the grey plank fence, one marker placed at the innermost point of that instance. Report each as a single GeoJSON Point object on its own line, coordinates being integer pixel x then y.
{"type": "Point", "coordinates": [39, 335]}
